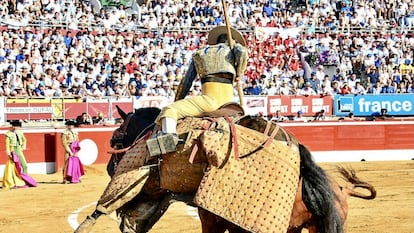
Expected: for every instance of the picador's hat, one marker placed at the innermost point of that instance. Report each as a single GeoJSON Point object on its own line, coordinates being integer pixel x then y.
{"type": "Point", "coordinates": [70, 122]}
{"type": "Point", "coordinates": [214, 34]}
{"type": "Point", "coordinates": [16, 123]}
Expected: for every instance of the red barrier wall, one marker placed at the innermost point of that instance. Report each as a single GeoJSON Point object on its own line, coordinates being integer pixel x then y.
{"type": "Point", "coordinates": [354, 136]}
{"type": "Point", "coordinates": [44, 145]}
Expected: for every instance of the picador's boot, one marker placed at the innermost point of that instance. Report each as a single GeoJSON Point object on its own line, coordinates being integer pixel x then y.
{"type": "Point", "coordinates": [166, 141]}
{"type": "Point", "coordinates": [162, 143]}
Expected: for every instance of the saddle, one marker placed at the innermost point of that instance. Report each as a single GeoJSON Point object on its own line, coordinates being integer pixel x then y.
{"type": "Point", "coordinates": [229, 109]}
{"type": "Point", "coordinates": [166, 143]}
{"type": "Point", "coordinates": [212, 131]}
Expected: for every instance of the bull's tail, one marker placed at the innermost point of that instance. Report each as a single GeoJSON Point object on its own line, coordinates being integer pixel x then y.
{"type": "Point", "coordinates": [350, 176]}
{"type": "Point", "coordinates": [318, 195]}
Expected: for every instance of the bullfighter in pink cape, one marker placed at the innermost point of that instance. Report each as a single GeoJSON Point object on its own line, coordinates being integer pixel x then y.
{"type": "Point", "coordinates": [73, 169]}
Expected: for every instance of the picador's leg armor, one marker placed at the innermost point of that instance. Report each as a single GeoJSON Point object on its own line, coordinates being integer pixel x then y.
{"type": "Point", "coordinates": [166, 141]}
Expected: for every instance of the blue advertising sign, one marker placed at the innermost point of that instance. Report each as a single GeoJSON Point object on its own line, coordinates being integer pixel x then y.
{"type": "Point", "coordinates": [368, 105]}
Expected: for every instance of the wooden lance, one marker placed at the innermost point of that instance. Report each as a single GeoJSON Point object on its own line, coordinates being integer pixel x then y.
{"type": "Point", "coordinates": [230, 39]}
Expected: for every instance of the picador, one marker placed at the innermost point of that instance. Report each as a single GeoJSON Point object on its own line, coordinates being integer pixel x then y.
{"type": "Point", "coordinates": [218, 66]}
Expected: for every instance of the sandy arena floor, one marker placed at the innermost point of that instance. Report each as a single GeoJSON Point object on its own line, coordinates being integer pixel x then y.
{"type": "Point", "coordinates": [54, 207]}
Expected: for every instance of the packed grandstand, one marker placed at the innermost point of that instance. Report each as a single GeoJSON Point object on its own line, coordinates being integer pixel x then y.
{"type": "Point", "coordinates": [74, 49]}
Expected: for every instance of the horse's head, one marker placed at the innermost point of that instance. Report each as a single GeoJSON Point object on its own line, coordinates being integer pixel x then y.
{"type": "Point", "coordinates": [134, 125]}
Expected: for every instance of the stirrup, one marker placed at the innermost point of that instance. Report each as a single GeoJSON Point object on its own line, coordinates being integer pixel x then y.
{"type": "Point", "coordinates": [163, 143]}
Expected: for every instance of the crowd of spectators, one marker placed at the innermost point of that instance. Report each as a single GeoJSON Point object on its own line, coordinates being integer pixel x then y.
{"type": "Point", "coordinates": [60, 48]}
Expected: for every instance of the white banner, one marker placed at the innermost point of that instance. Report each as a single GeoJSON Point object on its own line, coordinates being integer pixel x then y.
{"type": "Point", "coordinates": [26, 110]}
{"type": "Point", "coordinates": [151, 101]}
{"type": "Point", "coordinates": [265, 32]}
{"type": "Point", "coordinates": [253, 105]}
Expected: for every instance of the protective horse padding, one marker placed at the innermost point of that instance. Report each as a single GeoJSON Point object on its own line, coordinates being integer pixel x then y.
{"type": "Point", "coordinates": [128, 180]}
{"type": "Point", "coordinates": [257, 191]}
{"type": "Point", "coordinates": [216, 142]}
{"type": "Point", "coordinates": [177, 173]}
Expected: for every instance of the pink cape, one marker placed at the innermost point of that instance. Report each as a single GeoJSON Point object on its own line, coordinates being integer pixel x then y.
{"type": "Point", "coordinates": [27, 179]}
{"type": "Point", "coordinates": [75, 169]}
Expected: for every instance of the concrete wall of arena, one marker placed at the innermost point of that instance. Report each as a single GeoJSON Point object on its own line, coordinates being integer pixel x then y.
{"type": "Point", "coordinates": [328, 141]}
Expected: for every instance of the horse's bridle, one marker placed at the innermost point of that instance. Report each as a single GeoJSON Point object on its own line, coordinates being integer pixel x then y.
{"type": "Point", "coordinates": [117, 140]}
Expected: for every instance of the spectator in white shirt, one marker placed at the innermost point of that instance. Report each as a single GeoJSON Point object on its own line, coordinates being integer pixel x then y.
{"type": "Point", "coordinates": [300, 117]}
{"type": "Point", "coordinates": [358, 89]}
{"type": "Point", "coordinates": [375, 89]}
{"type": "Point", "coordinates": [320, 74]}
{"type": "Point", "coordinates": [285, 88]}
{"type": "Point", "coordinates": [272, 89]}
{"type": "Point", "coordinates": [145, 91]}
{"type": "Point", "coordinates": [307, 90]}
{"type": "Point", "coordinates": [278, 117]}
{"type": "Point", "coordinates": [95, 92]}
{"type": "Point", "coordinates": [325, 91]}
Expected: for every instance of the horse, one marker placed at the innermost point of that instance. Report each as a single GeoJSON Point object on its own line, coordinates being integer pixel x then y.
{"type": "Point", "coordinates": [315, 191]}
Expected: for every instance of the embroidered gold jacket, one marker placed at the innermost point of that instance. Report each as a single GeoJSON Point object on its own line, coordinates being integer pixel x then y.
{"type": "Point", "coordinates": [214, 60]}
{"type": "Point", "coordinates": [68, 136]}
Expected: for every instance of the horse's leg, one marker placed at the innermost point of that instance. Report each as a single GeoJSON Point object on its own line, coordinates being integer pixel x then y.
{"type": "Point", "coordinates": [159, 211]}
{"type": "Point", "coordinates": [141, 214]}
{"type": "Point", "coordinates": [135, 216]}
{"type": "Point", "coordinates": [312, 229]}
{"type": "Point", "coordinates": [295, 230]}
{"type": "Point", "coordinates": [300, 215]}
{"type": "Point", "coordinates": [210, 223]}
{"type": "Point", "coordinates": [232, 228]}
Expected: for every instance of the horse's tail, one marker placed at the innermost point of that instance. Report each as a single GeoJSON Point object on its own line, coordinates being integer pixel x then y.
{"type": "Point", "coordinates": [318, 195]}
{"type": "Point", "coordinates": [350, 176]}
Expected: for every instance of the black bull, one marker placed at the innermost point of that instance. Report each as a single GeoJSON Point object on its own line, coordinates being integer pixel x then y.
{"type": "Point", "coordinates": [152, 202]}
